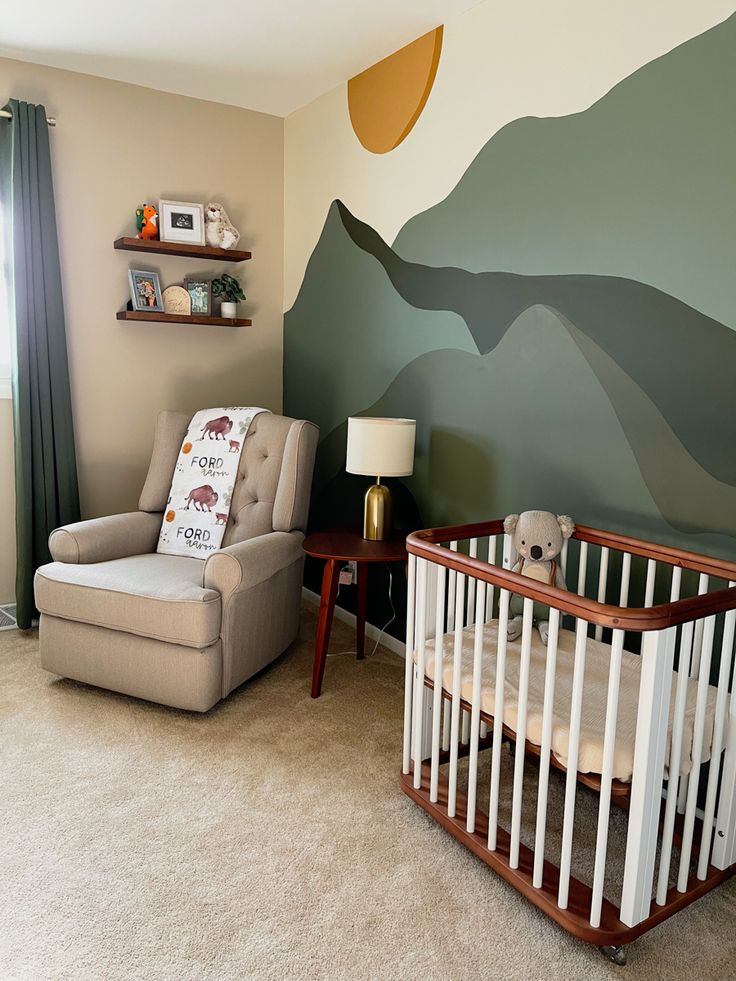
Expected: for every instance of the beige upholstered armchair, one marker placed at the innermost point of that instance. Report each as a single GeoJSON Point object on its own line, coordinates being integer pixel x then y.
{"type": "Point", "coordinates": [177, 630]}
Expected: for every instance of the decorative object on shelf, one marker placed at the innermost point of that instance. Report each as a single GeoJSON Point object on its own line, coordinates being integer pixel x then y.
{"type": "Point", "coordinates": [177, 300]}
{"type": "Point", "coordinates": [199, 289]}
{"type": "Point", "coordinates": [229, 291]}
{"type": "Point", "coordinates": [145, 290]}
{"type": "Point", "coordinates": [146, 222]}
{"type": "Point", "coordinates": [182, 221]}
{"type": "Point", "coordinates": [219, 230]}
{"type": "Point", "coordinates": [380, 448]}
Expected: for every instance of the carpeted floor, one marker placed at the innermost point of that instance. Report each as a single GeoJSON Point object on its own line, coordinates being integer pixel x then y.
{"type": "Point", "coordinates": [266, 840]}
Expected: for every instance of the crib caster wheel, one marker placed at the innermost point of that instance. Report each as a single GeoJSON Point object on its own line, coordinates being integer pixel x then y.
{"type": "Point", "coordinates": [615, 954]}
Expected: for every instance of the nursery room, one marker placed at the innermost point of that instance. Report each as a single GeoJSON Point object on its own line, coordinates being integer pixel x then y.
{"type": "Point", "coordinates": [368, 491]}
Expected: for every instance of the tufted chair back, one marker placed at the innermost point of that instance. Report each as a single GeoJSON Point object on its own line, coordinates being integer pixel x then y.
{"type": "Point", "coordinates": [271, 492]}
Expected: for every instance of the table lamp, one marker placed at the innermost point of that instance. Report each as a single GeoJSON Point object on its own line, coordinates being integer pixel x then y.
{"type": "Point", "coordinates": [380, 448]}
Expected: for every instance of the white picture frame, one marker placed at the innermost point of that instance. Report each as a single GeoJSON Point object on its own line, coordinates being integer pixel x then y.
{"type": "Point", "coordinates": [182, 222]}
{"type": "Point", "coordinates": [145, 291]}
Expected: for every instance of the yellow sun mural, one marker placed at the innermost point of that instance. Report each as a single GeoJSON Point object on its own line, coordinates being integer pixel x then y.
{"type": "Point", "coordinates": [386, 100]}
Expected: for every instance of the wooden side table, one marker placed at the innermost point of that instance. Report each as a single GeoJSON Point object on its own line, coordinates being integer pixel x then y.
{"type": "Point", "coordinates": [336, 548]}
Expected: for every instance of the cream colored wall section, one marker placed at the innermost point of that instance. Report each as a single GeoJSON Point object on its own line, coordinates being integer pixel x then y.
{"type": "Point", "coordinates": [115, 146]}
{"type": "Point", "coordinates": [499, 62]}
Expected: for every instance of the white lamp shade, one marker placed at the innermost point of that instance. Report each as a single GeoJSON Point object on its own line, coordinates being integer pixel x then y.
{"type": "Point", "coordinates": [381, 447]}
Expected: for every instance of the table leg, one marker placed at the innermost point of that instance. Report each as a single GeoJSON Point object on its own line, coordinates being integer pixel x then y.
{"type": "Point", "coordinates": [362, 600]}
{"type": "Point", "coordinates": [330, 579]}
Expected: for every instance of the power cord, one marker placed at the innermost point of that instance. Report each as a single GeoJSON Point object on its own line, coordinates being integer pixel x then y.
{"type": "Point", "coordinates": [386, 625]}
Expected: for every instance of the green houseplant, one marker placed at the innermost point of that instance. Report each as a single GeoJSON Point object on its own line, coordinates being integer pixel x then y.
{"type": "Point", "coordinates": [229, 291]}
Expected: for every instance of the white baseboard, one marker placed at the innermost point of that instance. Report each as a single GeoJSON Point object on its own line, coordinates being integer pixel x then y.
{"type": "Point", "coordinates": [387, 641]}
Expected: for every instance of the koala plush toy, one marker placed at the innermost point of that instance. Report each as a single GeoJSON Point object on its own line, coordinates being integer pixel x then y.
{"type": "Point", "coordinates": [537, 537]}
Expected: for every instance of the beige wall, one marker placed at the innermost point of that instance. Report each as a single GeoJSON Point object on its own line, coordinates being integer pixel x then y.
{"type": "Point", "coordinates": [115, 146]}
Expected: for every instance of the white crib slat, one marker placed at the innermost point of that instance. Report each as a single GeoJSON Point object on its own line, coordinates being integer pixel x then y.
{"type": "Point", "coordinates": [456, 677]}
{"type": "Point", "coordinates": [724, 849]}
{"type": "Point", "coordinates": [623, 598]}
{"type": "Point", "coordinates": [609, 745]}
{"type": "Point", "coordinates": [518, 786]}
{"type": "Point", "coordinates": [465, 728]}
{"type": "Point", "coordinates": [490, 588]}
{"type": "Point", "coordinates": [724, 673]}
{"type": "Point", "coordinates": [582, 568]}
{"type": "Point", "coordinates": [563, 558]}
{"type": "Point", "coordinates": [421, 623]}
{"type": "Point", "coordinates": [668, 829]}
{"type": "Point", "coordinates": [498, 708]}
{"type": "Point", "coordinates": [547, 715]}
{"type": "Point", "coordinates": [576, 704]}
{"type": "Point", "coordinates": [451, 588]}
{"type": "Point", "coordinates": [438, 678]}
{"type": "Point", "coordinates": [602, 583]}
{"type": "Point", "coordinates": [651, 581]}
{"type": "Point", "coordinates": [698, 643]}
{"type": "Point", "coordinates": [698, 730]}
{"type": "Point", "coordinates": [473, 553]}
{"type": "Point", "coordinates": [445, 722]}
{"type": "Point", "coordinates": [480, 604]}
{"type": "Point", "coordinates": [676, 583]}
{"type": "Point", "coordinates": [409, 660]}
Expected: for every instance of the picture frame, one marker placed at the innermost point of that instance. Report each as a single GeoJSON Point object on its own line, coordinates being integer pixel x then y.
{"type": "Point", "coordinates": [199, 289]}
{"type": "Point", "coordinates": [181, 221]}
{"type": "Point", "coordinates": [145, 290]}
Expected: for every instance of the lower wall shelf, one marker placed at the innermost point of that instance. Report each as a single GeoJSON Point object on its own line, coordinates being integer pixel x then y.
{"type": "Point", "coordinates": [177, 318]}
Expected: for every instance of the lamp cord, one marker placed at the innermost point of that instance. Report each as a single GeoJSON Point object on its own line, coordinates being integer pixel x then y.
{"type": "Point", "coordinates": [384, 627]}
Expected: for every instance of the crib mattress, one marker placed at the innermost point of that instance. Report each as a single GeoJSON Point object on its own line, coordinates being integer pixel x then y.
{"type": "Point", "coordinates": [592, 727]}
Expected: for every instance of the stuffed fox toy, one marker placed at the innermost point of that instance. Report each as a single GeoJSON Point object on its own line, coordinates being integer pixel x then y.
{"type": "Point", "coordinates": [146, 220]}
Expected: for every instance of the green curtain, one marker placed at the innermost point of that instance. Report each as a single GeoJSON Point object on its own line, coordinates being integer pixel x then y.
{"type": "Point", "coordinates": [46, 488]}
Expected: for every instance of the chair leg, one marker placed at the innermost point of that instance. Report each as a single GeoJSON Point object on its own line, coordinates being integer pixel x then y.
{"type": "Point", "coordinates": [324, 624]}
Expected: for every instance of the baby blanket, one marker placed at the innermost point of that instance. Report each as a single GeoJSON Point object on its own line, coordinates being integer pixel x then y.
{"type": "Point", "coordinates": [196, 513]}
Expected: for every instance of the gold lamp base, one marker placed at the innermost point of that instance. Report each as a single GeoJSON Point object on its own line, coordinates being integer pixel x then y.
{"type": "Point", "coordinates": [377, 513]}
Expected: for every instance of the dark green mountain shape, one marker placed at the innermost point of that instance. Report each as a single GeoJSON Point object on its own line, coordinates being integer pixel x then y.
{"type": "Point", "coordinates": [681, 359]}
{"type": "Point", "coordinates": [488, 444]}
{"type": "Point", "coordinates": [640, 185]}
{"type": "Point", "coordinates": [349, 333]}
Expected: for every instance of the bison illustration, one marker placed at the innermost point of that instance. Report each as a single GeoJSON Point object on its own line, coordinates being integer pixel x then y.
{"type": "Point", "coordinates": [204, 497]}
{"type": "Point", "coordinates": [235, 446]}
{"type": "Point", "coordinates": [217, 428]}
{"type": "Point", "coordinates": [221, 518]}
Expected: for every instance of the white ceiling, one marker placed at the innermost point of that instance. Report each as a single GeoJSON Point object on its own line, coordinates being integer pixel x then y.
{"type": "Point", "coordinates": [270, 55]}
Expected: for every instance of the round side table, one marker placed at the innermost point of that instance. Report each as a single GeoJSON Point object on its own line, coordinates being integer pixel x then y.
{"type": "Point", "coordinates": [336, 548]}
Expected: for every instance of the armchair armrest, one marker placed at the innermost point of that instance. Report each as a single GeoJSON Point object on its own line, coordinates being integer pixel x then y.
{"type": "Point", "coordinates": [245, 564]}
{"type": "Point", "coordinates": [101, 539]}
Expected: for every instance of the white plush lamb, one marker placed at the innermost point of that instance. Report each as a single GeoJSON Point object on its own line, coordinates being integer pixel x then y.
{"type": "Point", "coordinates": [219, 230]}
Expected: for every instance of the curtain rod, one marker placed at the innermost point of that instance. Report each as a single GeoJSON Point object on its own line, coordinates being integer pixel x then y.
{"type": "Point", "coordinates": [4, 114]}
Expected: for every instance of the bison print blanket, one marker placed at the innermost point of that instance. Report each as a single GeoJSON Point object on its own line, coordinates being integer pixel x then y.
{"type": "Point", "coordinates": [198, 508]}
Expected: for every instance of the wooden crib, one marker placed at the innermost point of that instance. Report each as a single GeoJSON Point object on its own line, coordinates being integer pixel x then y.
{"type": "Point", "coordinates": [638, 693]}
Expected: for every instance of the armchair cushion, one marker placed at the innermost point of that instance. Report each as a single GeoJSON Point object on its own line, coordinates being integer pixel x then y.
{"type": "Point", "coordinates": [158, 596]}
{"type": "Point", "coordinates": [245, 564]}
{"type": "Point", "coordinates": [102, 539]}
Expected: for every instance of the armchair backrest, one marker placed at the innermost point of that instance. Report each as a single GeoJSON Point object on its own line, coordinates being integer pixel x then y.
{"type": "Point", "coordinates": [274, 480]}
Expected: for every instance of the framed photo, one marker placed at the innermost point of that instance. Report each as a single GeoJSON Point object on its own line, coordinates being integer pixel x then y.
{"type": "Point", "coordinates": [145, 290]}
{"type": "Point", "coordinates": [199, 289]}
{"type": "Point", "coordinates": [181, 221]}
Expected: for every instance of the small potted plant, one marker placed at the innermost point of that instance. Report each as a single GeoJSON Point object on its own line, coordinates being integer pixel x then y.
{"type": "Point", "coordinates": [229, 292]}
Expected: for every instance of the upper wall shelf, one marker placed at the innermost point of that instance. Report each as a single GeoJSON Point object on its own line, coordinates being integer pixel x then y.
{"type": "Point", "coordinates": [178, 248]}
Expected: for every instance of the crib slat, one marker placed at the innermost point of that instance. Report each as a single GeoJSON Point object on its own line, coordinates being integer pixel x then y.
{"type": "Point", "coordinates": [698, 730]}
{"type": "Point", "coordinates": [724, 673]}
{"type": "Point", "coordinates": [602, 583]}
{"type": "Point", "coordinates": [623, 598]}
{"type": "Point", "coordinates": [438, 677]}
{"type": "Point", "coordinates": [456, 677]}
{"type": "Point", "coordinates": [465, 728]}
{"type": "Point", "coordinates": [480, 605]}
{"type": "Point", "coordinates": [409, 661]}
{"type": "Point", "coordinates": [547, 716]}
{"type": "Point", "coordinates": [518, 786]}
{"type": "Point", "coordinates": [490, 588]}
{"type": "Point", "coordinates": [445, 721]}
{"type": "Point", "coordinates": [563, 558]}
{"type": "Point", "coordinates": [582, 568]}
{"type": "Point", "coordinates": [473, 553]}
{"type": "Point", "coordinates": [451, 587]}
{"type": "Point", "coordinates": [650, 583]}
{"type": "Point", "coordinates": [421, 626]}
{"type": "Point", "coordinates": [498, 708]}
{"type": "Point", "coordinates": [609, 746]}
{"type": "Point", "coordinates": [698, 644]}
{"type": "Point", "coordinates": [576, 705]}
{"type": "Point", "coordinates": [724, 849]}
{"type": "Point", "coordinates": [678, 721]}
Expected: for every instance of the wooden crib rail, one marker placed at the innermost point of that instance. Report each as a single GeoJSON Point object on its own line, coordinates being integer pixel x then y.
{"type": "Point", "coordinates": [426, 544]}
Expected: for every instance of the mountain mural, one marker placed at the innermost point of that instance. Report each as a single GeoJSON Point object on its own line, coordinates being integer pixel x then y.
{"type": "Point", "coordinates": [561, 325]}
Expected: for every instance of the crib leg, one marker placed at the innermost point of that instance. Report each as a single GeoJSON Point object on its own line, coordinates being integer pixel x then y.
{"type": "Point", "coordinates": [615, 954]}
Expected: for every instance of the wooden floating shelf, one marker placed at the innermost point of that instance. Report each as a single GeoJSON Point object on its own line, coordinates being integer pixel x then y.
{"type": "Point", "coordinates": [178, 318]}
{"type": "Point", "coordinates": [179, 248]}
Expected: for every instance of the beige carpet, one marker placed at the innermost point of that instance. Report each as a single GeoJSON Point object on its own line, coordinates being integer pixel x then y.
{"type": "Point", "coordinates": [268, 839]}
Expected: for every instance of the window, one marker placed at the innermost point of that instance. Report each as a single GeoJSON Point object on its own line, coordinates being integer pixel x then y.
{"type": "Point", "coordinates": [4, 317]}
